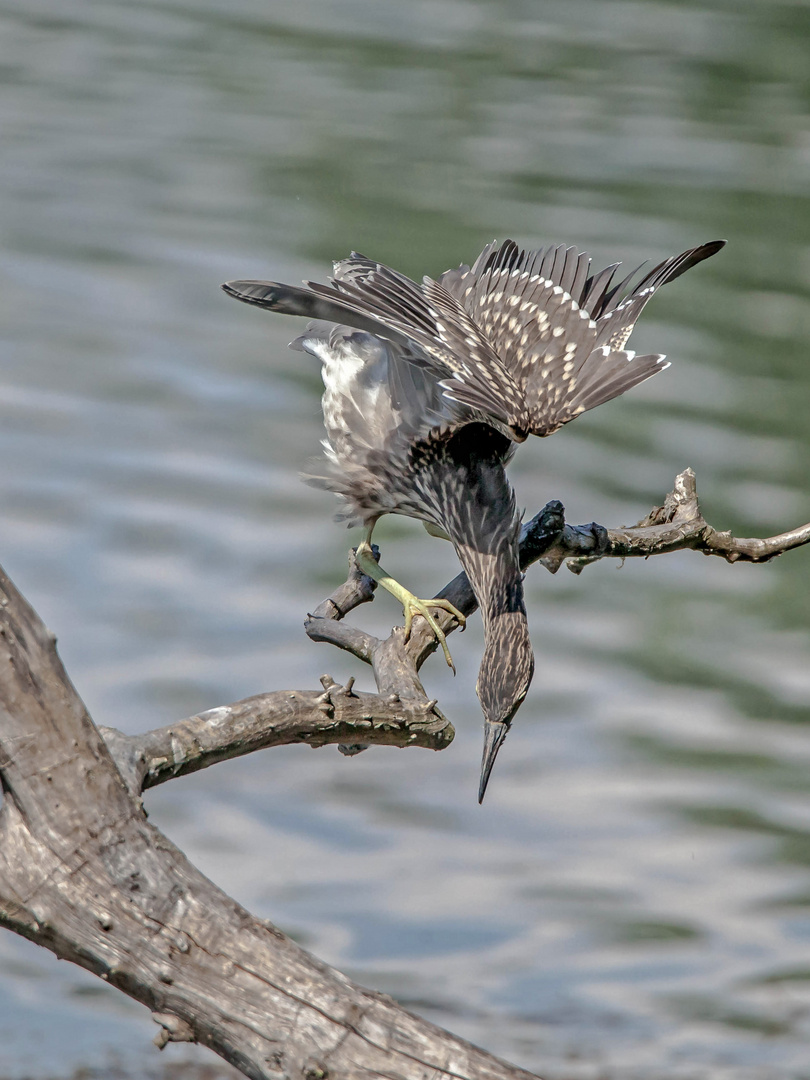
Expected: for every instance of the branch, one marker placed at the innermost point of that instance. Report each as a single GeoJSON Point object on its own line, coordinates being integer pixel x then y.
{"type": "Point", "coordinates": [337, 714]}
{"type": "Point", "coordinates": [84, 874]}
{"type": "Point", "coordinates": [401, 713]}
{"type": "Point", "coordinates": [676, 526]}
{"type": "Point", "coordinates": [403, 716]}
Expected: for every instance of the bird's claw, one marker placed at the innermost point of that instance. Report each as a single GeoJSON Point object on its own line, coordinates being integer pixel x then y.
{"type": "Point", "coordinates": [414, 606]}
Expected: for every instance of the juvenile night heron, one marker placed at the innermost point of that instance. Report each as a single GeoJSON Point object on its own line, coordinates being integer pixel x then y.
{"type": "Point", "coordinates": [428, 387]}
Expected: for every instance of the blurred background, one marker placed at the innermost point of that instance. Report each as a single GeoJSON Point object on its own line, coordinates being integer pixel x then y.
{"type": "Point", "coordinates": [633, 899]}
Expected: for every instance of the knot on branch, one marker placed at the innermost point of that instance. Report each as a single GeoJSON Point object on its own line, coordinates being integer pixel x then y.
{"type": "Point", "coordinates": [326, 705]}
{"type": "Point", "coordinates": [333, 689]}
{"type": "Point", "coordinates": [315, 1070]}
{"type": "Point", "coordinates": [172, 1029]}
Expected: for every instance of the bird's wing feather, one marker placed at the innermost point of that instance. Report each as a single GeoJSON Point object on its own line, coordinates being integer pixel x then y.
{"type": "Point", "coordinates": [526, 339]}
{"type": "Point", "coordinates": [293, 300]}
{"type": "Point", "coordinates": [559, 330]}
{"type": "Point", "coordinates": [372, 297]}
{"type": "Point", "coordinates": [435, 320]}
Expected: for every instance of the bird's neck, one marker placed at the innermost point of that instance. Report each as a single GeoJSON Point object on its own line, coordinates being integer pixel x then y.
{"type": "Point", "coordinates": [474, 503]}
{"type": "Point", "coordinates": [471, 499]}
{"type": "Point", "coordinates": [507, 664]}
{"type": "Point", "coordinates": [494, 573]}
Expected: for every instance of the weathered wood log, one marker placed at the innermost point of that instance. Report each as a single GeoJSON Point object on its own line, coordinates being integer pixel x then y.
{"type": "Point", "coordinates": [84, 873]}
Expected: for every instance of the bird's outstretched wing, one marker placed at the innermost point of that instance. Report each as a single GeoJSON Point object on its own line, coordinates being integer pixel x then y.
{"type": "Point", "coordinates": [526, 339]}
{"type": "Point", "coordinates": [373, 297]}
{"type": "Point", "coordinates": [560, 330]}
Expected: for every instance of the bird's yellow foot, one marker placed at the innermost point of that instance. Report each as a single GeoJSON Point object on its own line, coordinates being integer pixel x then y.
{"type": "Point", "coordinates": [411, 605]}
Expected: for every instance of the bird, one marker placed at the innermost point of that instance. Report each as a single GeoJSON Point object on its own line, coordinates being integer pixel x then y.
{"type": "Point", "coordinates": [428, 389]}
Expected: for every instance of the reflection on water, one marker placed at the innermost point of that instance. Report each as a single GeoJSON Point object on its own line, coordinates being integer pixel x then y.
{"type": "Point", "coordinates": [633, 899]}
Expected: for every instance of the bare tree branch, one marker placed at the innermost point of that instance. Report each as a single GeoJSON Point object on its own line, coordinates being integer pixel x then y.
{"type": "Point", "coordinates": [401, 713]}
{"type": "Point", "coordinates": [337, 714]}
{"type": "Point", "coordinates": [676, 526]}
{"type": "Point", "coordinates": [83, 873]}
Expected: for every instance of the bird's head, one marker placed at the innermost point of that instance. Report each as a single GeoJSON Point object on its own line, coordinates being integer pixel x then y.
{"type": "Point", "coordinates": [503, 681]}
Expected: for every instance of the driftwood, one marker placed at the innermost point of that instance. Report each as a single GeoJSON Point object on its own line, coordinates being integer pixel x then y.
{"type": "Point", "coordinates": [84, 874]}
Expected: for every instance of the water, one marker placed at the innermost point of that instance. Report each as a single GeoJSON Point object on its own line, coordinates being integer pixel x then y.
{"type": "Point", "coordinates": [633, 899]}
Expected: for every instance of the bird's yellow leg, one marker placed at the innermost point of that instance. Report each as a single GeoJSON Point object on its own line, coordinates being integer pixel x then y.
{"type": "Point", "coordinates": [411, 605]}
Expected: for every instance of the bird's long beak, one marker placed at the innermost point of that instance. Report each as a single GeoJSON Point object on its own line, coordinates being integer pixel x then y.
{"type": "Point", "coordinates": [494, 734]}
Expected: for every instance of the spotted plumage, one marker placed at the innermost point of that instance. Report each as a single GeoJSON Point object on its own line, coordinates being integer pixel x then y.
{"type": "Point", "coordinates": [428, 387]}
